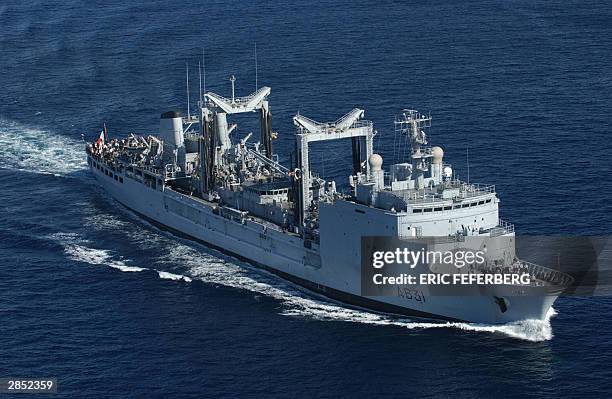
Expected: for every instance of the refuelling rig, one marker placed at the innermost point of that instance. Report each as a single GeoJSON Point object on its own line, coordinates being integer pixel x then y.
{"type": "Point", "coordinates": [202, 159]}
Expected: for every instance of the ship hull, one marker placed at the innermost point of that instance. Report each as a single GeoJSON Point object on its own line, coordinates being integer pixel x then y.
{"type": "Point", "coordinates": [289, 257]}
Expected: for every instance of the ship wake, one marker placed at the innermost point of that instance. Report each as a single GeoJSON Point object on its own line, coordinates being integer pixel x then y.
{"type": "Point", "coordinates": [37, 150]}
{"type": "Point", "coordinates": [75, 249]}
{"type": "Point", "coordinates": [528, 330]}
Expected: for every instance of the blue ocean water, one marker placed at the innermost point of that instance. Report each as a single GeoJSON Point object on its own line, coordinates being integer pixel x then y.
{"type": "Point", "coordinates": [116, 308]}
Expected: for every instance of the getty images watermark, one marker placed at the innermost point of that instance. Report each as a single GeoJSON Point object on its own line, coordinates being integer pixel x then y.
{"type": "Point", "coordinates": [474, 260]}
{"type": "Point", "coordinates": [475, 265]}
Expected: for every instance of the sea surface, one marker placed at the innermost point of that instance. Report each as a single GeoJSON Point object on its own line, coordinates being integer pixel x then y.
{"type": "Point", "coordinates": [114, 307]}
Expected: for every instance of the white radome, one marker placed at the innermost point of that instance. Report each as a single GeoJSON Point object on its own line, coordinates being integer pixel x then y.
{"type": "Point", "coordinates": [448, 172]}
{"type": "Point", "coordinates": [375, 162]}
{"type": "Point", "coordinates": [438, 154]}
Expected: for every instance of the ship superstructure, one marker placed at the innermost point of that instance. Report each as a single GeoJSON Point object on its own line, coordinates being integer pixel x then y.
{"type": "Point", "coordinates": [233, 194]}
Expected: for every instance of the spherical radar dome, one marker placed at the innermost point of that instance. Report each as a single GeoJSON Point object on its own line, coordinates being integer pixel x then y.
{"type": "Point", "coordinates": [438, 154]}
{"type": "Point", "coordinates": [375, 162]}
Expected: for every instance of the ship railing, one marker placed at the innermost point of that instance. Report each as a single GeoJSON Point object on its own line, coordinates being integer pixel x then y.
{"type": "Point", "coordinates": [480, 188]}
{"type": "Point", "coordinates": [471, 187]}
{"type": "Point", "coordinates": [192, 135]}
{"type": "Point", "coordinates": [428, 198]}
{"type": "Point", "coordinates": [546, 274]}
{"type": "Point", "coordinates": [503, 227]}
{"type": "Point", "coordinates": [361, 123]}
{"type": "Point", "coordinates": [150, 169]}
{"type": "Point", "coordinates": [484, 188]}
{"type": "Point", "coordinates": [425, 150]}
{"type": "Point", "coordinates": [191, 119]}
{"type": "Point", "coordinates": [330, 127]}
{"type": "Point", "coordinates": [171, 172]}
{"type": "Point", "coordinates": [538, 274]}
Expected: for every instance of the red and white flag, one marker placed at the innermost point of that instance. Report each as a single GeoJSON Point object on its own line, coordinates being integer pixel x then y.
{"type": "Point", "coordinates": [100, 141]}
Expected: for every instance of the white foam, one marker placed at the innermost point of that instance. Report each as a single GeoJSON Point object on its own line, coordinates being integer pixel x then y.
{"type": "Point", "coordinates": [37, 150]}
{"type": "Point", "coordinates": [73, 247]}
{"type": "Point", "coordinates": [172, 276]}
{"type": "Point", "coordinates": [529, 330]}
{"type": "Point", "coordinates": [98, 257]}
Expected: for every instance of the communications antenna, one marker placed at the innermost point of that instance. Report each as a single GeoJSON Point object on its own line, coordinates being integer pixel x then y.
{"type": "Point", "coordinates": [233, 80]}
{"type": "Point", "coordinates": [187, 80]}
{"type": "Point", "coordinates": [204, 70]}
{"type": "Point", "coordinates": [256, 85]}
{"type": "Point", "coordinates": [200, 74]}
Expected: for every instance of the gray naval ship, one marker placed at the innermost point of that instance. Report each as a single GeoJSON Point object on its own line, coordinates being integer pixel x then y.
{"type": "Point", "coordinates": [234, 195]}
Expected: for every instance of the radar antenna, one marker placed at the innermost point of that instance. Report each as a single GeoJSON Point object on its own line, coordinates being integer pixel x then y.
{"type": "Point", "coordinates": [413, 124]}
